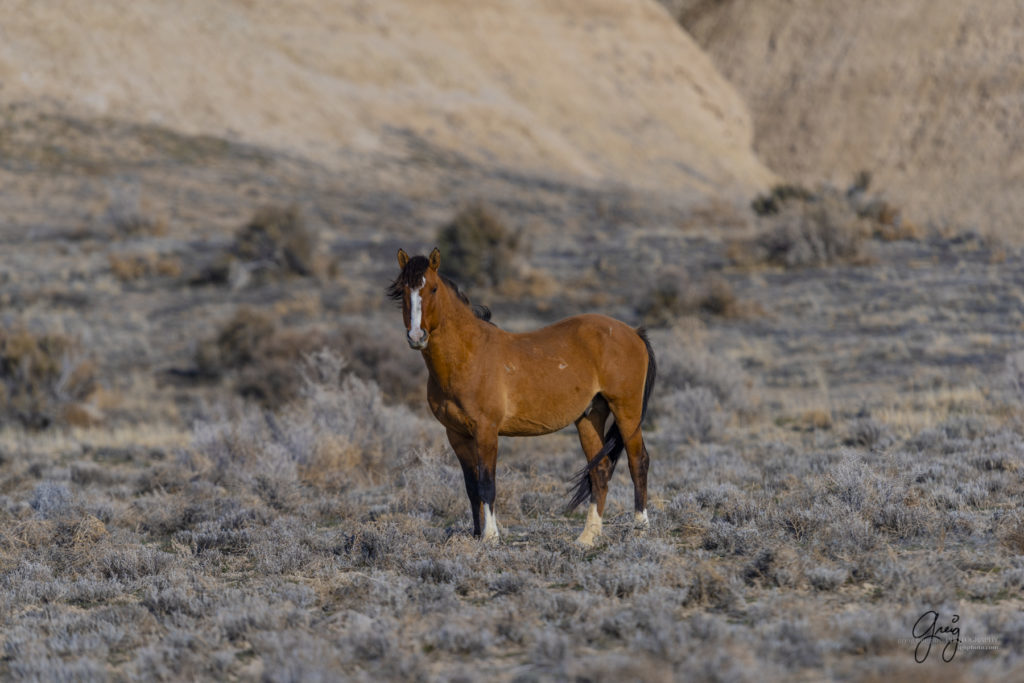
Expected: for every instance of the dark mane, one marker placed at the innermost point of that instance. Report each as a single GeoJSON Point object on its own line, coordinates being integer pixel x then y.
{"type": "Point", "coordinates": [412, 275]}
{"type": "Point", "coordinates": [479, 311]}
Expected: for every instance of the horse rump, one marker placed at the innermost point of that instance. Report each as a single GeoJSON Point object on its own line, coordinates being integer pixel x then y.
{"type": "Point", "coordinates": [580, 484]}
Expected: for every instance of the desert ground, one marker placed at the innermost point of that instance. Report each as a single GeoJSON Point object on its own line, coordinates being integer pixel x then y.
{"type": "Point", "coordinates": [217, 462]}
{"type": "Point", "coordinates": [230, 472]}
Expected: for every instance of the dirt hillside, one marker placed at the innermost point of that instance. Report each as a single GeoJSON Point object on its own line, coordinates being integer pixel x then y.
{"type": "Point", "coordinates": [611, 90]}
{"type": "Point", "coordinates": [924, 94]}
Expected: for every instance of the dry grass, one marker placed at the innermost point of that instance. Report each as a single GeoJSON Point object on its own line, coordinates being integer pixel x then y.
{"type": "Point", "coordinates": [335, 539]}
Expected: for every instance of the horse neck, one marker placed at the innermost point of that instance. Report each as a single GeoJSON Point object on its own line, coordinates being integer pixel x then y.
{"type": "Point", "coordinates": [454, 343]}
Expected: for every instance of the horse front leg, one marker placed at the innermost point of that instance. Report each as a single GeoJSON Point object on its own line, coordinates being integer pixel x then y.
{"type": "Point", "coordinates": [487, 461]}
{"type": "Point", "coordinates": [466, 452]}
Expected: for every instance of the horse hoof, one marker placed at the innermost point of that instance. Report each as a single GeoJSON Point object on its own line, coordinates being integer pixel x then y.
{"type": "Point", "coordinates": [641, 520]}
{"type": "Point", "coordinates": [586, 540]}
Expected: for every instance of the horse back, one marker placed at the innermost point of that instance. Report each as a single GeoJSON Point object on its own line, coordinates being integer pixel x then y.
{"type": "Point", "coordinates": [550, 376]}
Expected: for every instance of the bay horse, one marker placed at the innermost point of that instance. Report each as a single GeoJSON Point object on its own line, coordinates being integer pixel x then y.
{"type": "Point", "coordinates": [483, 382]}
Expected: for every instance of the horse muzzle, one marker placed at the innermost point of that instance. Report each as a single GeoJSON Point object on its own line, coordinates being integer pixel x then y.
{"type": "Point", "coordinates": [417, 339]}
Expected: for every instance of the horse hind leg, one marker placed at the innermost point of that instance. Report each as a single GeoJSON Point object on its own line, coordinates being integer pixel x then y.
{"type": "Point", "coordinates": [591, 429]}
{"type": "Point", "coordinates": [639, 461]}
{"type": "Point", "coordinates": [636, 452]}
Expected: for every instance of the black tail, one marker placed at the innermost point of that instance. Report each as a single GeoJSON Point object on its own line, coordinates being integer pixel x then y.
{"type": "Point", "coordinates": [613, 442]}
{"type": "Point", "coordinates": [580, 483]}
{"type": "Point", "coordinates": [652, 373]}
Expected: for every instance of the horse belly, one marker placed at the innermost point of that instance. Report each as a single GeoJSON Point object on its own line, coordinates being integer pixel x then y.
{"type": "Point", "coordinates": [545, 413]}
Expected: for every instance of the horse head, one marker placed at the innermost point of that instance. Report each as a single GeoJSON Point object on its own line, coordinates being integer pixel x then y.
{"type": "Point", "coordinates": [416, 287]}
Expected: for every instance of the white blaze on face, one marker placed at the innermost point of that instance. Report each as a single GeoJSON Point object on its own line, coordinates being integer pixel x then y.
{"type": "Point", "coordinates": [416, 314]}
{"type": "Point", "coordinates": [490, 524]}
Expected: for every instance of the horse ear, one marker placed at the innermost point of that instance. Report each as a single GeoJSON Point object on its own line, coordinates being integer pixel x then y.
{"type": "Point", "coordinates": [435, 259]}
{"type": "Point", "coordinates": [403, 258]}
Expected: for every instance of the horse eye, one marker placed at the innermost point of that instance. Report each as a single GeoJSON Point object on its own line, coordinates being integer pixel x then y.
{"type": "Point", "coordinates": [434, 290]}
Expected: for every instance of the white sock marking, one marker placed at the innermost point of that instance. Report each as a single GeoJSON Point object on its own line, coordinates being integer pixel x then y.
{"type": "Point", "coordinates": [490, 524]}
{"type": "Point", "coordinates": [593, 519]}
{"type": "Point", "coordinates": [592, 527]}
{"type": "Point", "coordinates": [641, 519]}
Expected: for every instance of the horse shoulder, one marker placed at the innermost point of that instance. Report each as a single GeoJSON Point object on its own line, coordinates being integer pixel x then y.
{"type": "Point", "coordinates": [470, 397]}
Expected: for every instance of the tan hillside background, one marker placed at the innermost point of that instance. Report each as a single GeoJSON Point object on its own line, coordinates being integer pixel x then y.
{"type": "Point", "coordinates": [926, 95]}
{"type": "Point", "coordinates": [605, 90]}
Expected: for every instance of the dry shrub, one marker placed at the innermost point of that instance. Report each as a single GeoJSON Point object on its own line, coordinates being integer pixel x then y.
{"type": "Point", "coordinates": [677, 295]}
{"type": "Point", "coordinates": [264, 359]}
{"type": "Point", "coordinates": [399, 373]}
{"type": "Point", "coordinates": [331, 466]}
{"type": "Point", "coordinates": [277, 238]}
{"type": "Point", "coordinates": [130, 267]}
{"type": "Point", "coordinates": [867, 433]}
{"type": "Point", "coordinates": [41, 376]}
{"type": "Point", "coordinates": [337, 434]}
{"type": "Point", "coordinates": [138, 225]}
{"type": "Point", "coordinates": [1012, 535]}
{"type": "Point", "coordinates": [772, 203]}
{"type": "Point", "coordinates": [87, 531]}
{"type": "Point", "coordinates": [477, 247]}
{"type": "Point", "coordinates": [27, 534]}
{"type": "Point", "coordinates": [710, 587]}
{"type": "Point", "coordinates": [129, 217]}
{"type": "Point", "coordinates": [816, 228]}
{"type": "Point", "coordinates": [808, 421]}
{"type": "Point", "coordinates": [274, 244]}
{"type": "Point", "coordinates": [260, 356]}
{"type": "Point", "coordinates": [817, 232]}
{"type": "Point", "coordinates": [237, 344]}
